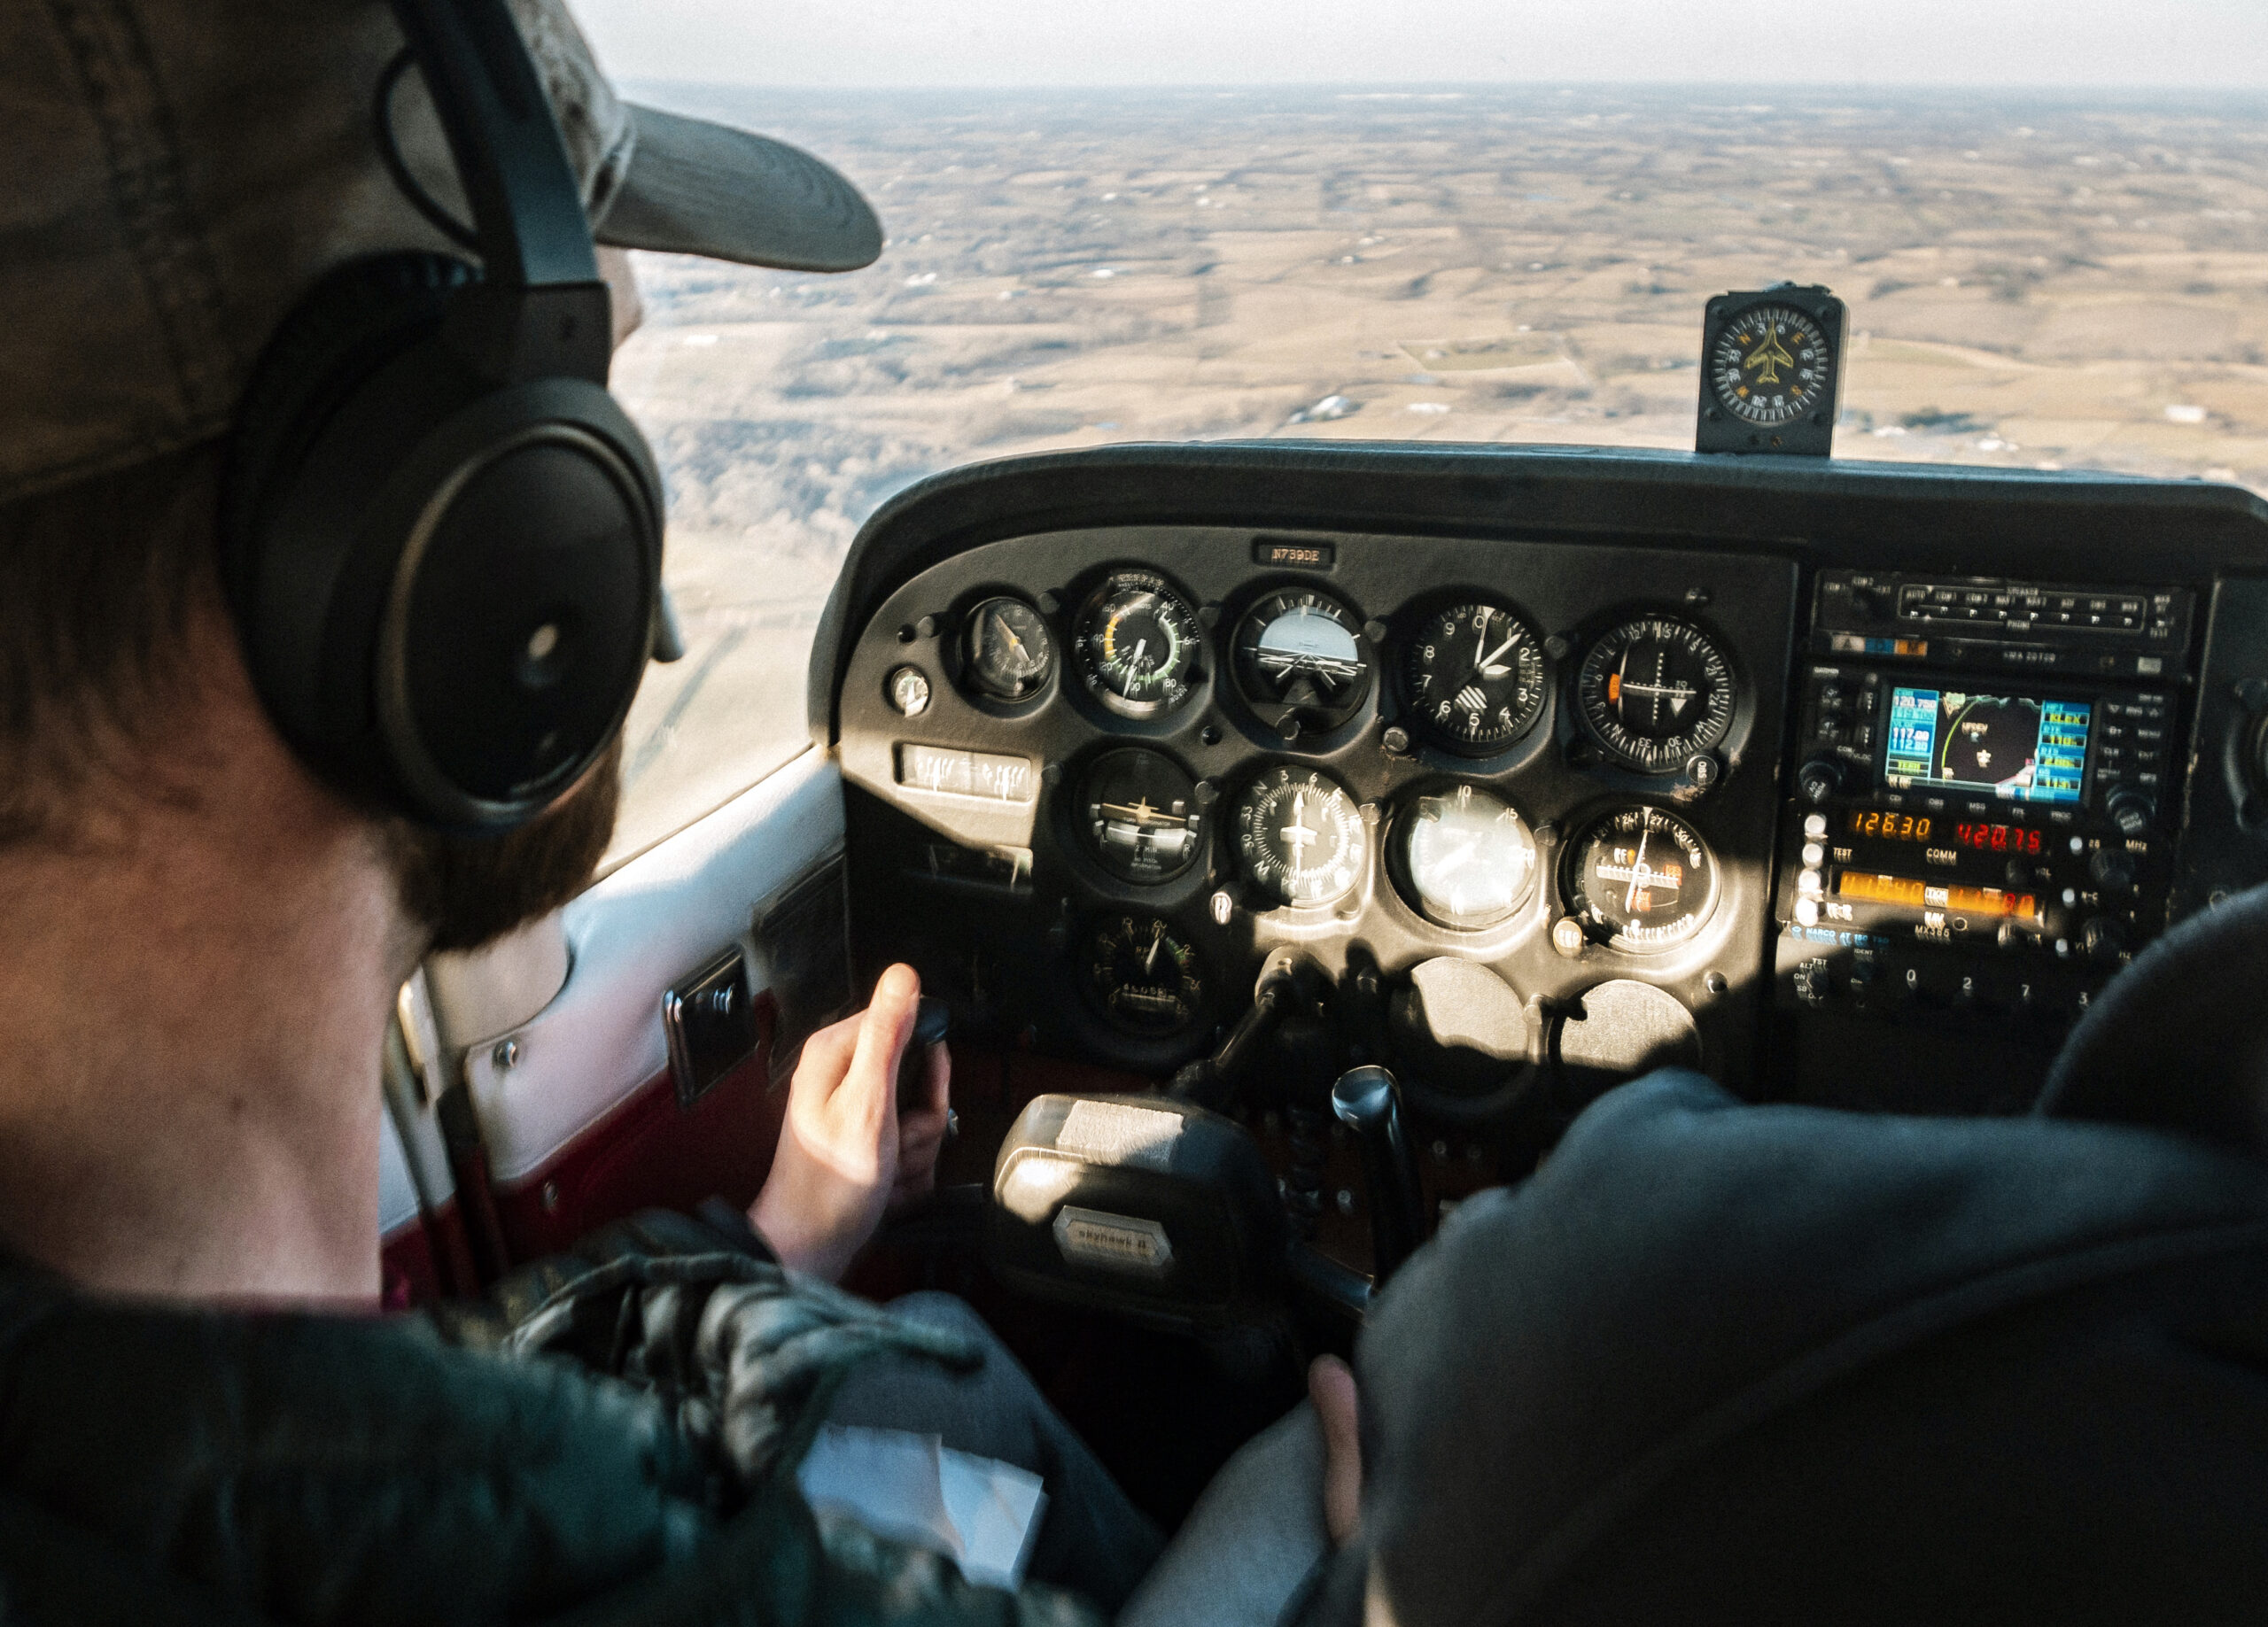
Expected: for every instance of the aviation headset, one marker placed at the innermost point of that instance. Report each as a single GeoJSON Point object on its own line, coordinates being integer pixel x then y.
{"type": "Point", "coordinates": [441, 537]}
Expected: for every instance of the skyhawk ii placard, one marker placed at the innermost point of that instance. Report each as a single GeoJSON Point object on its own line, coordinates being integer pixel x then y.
{"type": "Point", "coordinates": [1771, 372]}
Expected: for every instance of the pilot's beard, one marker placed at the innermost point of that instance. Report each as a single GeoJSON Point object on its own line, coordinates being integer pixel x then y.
{"type": "Point", "coordinates": [470, 890]}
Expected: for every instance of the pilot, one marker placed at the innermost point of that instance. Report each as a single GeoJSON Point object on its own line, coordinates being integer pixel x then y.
{"type": "Point", "coordinates": [1765, 1365]}
{"type": "Point", "coordinates": [203, 1416]}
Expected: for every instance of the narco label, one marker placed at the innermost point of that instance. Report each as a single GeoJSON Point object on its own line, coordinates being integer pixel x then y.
{"type": "Point", "coordinates": [1119, 1242]}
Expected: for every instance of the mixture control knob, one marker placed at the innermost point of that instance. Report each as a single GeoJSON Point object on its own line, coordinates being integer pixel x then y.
{"type": "Point", "coordinates": [2132, 810]}
{"type": "Point", "coordinates": [1819, 778]}
{"type": "Point", "coordinates": [2103, 938]}
{"type": "Point", "coordinates": [2114, 870]}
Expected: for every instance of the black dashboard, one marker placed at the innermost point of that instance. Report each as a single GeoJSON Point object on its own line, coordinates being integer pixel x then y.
{"type": "Point", "coordinates": [1841, 782]}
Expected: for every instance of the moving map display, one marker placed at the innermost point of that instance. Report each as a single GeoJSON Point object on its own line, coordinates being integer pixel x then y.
{"type": "Point", "coordinates": [2005, 745]}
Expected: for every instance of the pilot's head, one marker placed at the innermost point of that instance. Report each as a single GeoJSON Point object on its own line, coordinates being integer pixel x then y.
{"type": "Point", "coordinates": [181, 176]}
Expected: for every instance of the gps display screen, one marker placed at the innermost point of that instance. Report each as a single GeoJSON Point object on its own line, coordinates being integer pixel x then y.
{"type": "Point", "coordinates": [2014, 747]}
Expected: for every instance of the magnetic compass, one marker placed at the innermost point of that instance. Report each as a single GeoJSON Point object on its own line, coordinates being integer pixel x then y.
{"type": "Point", "coordinates": [1771, 366]}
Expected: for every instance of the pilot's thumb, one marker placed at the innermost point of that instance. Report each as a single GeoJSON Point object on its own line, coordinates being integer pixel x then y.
{"type": "Point", "coordinates": [882, 1038]}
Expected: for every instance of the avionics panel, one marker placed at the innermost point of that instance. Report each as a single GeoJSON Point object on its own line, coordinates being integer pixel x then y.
{"type": "Point", "coordinates": [2009, 809]}
{"type": "Point", "coordinates": [2015, 748]}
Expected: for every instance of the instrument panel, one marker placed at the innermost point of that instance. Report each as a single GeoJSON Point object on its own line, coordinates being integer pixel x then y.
{"type": "Point", "coordinates": [1548, 761]}
{"type": "Point", "coordinates": [1707, 761]}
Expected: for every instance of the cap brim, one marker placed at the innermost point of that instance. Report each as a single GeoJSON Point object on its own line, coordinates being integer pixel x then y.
{"type": "Point", "coordinates": [697, 188]}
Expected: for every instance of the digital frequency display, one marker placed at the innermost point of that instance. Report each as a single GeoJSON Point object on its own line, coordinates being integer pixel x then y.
{"type": "Point", "coordinates": [2005, 745]}
{"type": "Point", "coordinates": [1911, 893]}
{"type": "Point", "coordinates": [1974, 835]}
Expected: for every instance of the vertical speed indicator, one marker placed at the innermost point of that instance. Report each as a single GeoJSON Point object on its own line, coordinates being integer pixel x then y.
{"type": "Point", "coordinates": [1655, 693]}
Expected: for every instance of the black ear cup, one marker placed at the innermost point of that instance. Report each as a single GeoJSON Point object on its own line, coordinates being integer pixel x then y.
{"type": "Point", "coordinates": [445, 586]}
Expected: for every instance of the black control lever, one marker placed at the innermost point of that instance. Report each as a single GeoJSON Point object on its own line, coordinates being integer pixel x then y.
{"type": "Point", "coordinates": [1211, 1081]}
{"type": "Point", "coordinates": [1368, 1103]}
{"type": "Point", "coordinates": [932, 1021]}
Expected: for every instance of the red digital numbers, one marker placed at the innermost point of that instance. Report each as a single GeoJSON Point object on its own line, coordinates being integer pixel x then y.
{"type": "Point", "coordinates": [1998, 838]}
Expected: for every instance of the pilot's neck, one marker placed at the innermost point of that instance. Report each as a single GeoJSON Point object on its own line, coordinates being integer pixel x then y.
{"type": "Point", "coordinates": [193, 998]}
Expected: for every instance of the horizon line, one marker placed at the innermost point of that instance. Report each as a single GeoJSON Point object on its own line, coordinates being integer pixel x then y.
{"type": "Point", "coordinates": [1456, 87]}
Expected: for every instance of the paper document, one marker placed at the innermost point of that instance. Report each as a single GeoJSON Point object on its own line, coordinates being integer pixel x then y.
{"type": "Point", "coordinates": [914, 1489]}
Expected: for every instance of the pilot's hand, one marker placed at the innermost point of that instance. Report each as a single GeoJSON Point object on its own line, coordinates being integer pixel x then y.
{"type": "Point", "coordinates": [843, 1155]}
{"type": "Point", "coordinates": [921, 1131]}
{"type": "Point", "coordinates": [1330, 1387]}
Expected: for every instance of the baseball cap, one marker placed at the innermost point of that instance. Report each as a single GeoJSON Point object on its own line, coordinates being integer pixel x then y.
{"type": "Point", "coordinates": [181, 173]}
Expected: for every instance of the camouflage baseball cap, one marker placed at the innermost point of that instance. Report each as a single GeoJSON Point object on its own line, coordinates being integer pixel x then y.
{"type": "Point", "coordinates": [180, 174]}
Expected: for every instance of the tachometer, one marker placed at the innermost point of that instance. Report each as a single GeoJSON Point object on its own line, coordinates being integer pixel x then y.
{"type": "Point", "coordinates": [1140, 815]}
{"type": "Point", "coordinates": [1300, 837]}
{"type": "Point", "coordinates": [1007, 651]}
{"type": "Point", "coordinates": [1476, 678]}
{"type": "Point", "coordinates": [1655, 693]}
{"type": "Point", "coordinates": [1301, 654]}
{"type": "Point", "coordinates": [1642, 879]}
{"type": "Point", "coordinates": [1137, 643]}
{"type": "Point", "coordinates": [1466, 856]}
{"type": "Point", "coordinates": [1142, 975]}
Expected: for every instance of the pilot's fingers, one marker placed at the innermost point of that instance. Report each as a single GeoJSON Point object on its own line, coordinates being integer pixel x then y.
{"type": "Point", "coordinates": [1330, 1387]}
{"type": "Point", "coordinates": [826, 1059]}
{"type": "Point", "coordinates": [883, 1035]}
{"type": "Point", "coordinates": [930, 1116]}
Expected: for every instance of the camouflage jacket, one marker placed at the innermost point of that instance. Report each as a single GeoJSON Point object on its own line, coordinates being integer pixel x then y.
{"type": "Point", "coordinates": [610, 1441]}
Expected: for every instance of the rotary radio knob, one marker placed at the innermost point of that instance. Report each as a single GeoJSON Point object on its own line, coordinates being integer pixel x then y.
{"type": "Point", "coordinates": [2102, 938]}
{"type": "Point", "coordinates": [1818, 778]}
{"type": "Point", "coordinates": [2114, 870]}
{"type": "Point", "coordinates": [2132, 810]}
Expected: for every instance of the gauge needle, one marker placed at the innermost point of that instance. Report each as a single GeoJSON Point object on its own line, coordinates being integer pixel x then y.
{"type": "Point", "coordinates": [1456, 859]}
{"type": "Point", "coordinates": [1296, 835]}
{"type": "Point", "coordinates": [1009, 633]}
{"type": "Point", "coordinates": [1489, 667]}
{"type": "Point", "coordinates": [1135, 660]}
{"type": "Point", "coordinates": [1157, 943]}
{"type": "Point", "coordinates": [1638, 876]}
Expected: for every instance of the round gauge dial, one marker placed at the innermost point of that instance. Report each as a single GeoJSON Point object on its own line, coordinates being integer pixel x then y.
{"type": "Point", "coordinates": [1006, 650]}
{"type": "Point", "coordinates": [1476, 678]}
{"type": "Point", "coordinates": [1143, 976]}
{"type": "Point", "coordinates": [1771, 366]}
{"type": "Point", "coordinates": [1137, 644]}
{"type": "Point", "coordinates": [1300, 837]}
{"type": "Point", "coordinates": [1468, 857]}
{"type": "Point", "coordinates": [1139, 812]}
{"type": "Point", "coordinates": [1642, 880]}
{"type": "Point", "coordinates": [1301, 653]}
{"type": "Point", "coordinates": [1656, 691]}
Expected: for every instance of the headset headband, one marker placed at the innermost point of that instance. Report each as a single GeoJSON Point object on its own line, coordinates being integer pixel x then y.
{"type": "Point", "coordinates": [532, 314]}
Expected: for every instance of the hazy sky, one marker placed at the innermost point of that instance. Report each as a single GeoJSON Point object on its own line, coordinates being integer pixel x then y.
{"type": "Point", "coordinates": [2046, 42]}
